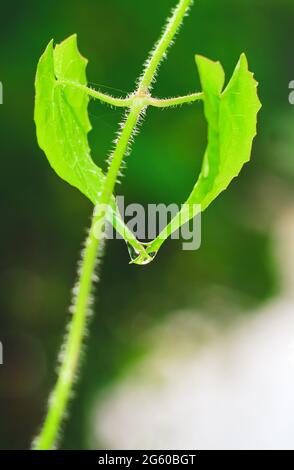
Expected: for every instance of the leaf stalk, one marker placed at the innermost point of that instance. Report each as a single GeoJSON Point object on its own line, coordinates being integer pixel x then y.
{"type": "Point", "coordinates": [138, 98]}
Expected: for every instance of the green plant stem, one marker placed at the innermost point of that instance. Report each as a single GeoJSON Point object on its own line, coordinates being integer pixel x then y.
{"type": "Point", "coordinates": [118, 102]}
{"type": "Point", "coordinates": [73, 343]}
{"type": "Point", "coordinates": [128, 102]}
{"type": "Point", "coordinates": [179, 100]}
{"type": "Point", "coordinates": [120, 149]}
{"type": "Point", "coordinates": [61, 392]}
{"type": "Point", "coordinates": [158, 53]}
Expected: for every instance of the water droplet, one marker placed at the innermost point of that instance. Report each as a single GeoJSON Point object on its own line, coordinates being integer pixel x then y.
{"type": "Point", "coordinates": [132, 251]}
{"type": "Point", "coordinates": [140, 257]}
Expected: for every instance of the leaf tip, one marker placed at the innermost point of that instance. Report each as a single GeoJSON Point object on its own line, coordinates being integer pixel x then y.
{"type": "Point", "coordinates": [199, 58]}
{"type": "Point", "coordinates": [244, 62]}
{"type": "Point", "coordinates": [72, 42]}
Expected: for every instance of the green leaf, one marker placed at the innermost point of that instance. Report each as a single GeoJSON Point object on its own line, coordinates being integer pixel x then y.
{"type": "Point", "coordinates": [62, 122]}
{"type": "Point", "coordinates": [61, 117]}
{"type": "Point", "coordinates": [232, 117]}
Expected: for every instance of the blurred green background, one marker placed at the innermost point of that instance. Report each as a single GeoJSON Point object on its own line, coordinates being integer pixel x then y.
{"type": "Point", "coordinates": [44, 220]}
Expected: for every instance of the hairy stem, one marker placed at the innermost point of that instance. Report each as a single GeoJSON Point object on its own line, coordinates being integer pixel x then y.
{"type": "Point", "coordinates": [158, 53]}
{"type": "Point", "coordinates": [118, 102]}
{"type": "Point", "coordinates": [169, 102]}
{"type": "Point", "coordinates": [61, 392]}
{"type": "Point", "coordinates": [73, 344]}
{"type": "Point", "coordinates": [71, 354]}
{"type": "Point", "coordinates": [128, 102]}
{"type": "Point", "coordinates": [120, 149]}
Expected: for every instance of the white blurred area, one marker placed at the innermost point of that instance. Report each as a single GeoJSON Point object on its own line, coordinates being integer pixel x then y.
{"type": "Point", "coordinates": [204, 386]}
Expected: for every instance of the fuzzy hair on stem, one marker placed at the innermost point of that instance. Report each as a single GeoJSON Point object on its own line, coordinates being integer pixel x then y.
{"type": "Point", "coordinates": [73, 345]}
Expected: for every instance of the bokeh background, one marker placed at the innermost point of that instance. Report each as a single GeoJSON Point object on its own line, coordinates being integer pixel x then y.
{"type": "Point", "coordinates": [238, 272]}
